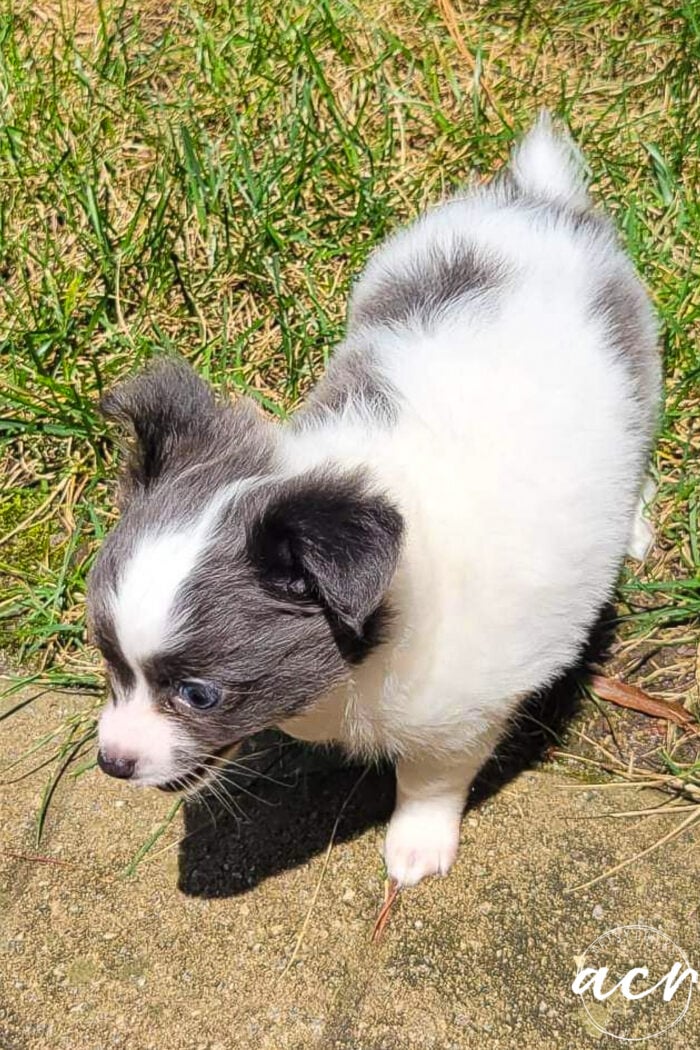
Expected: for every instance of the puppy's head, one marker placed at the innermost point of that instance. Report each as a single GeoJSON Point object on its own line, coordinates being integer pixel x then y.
{"type": "Point", "coordinates": [229, 596]}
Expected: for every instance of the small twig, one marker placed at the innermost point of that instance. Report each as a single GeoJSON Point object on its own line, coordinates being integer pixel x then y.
{"type": "Point", "coordinates": [654, 811]}
{"type": "Point", "coordinates": [326, 860]}
{"type": "Point", "coordinates": [686, 787]}
{"type": "Point", "coordinates": [659, 780]}
{"type": "Point", "coordinates": [391, 892]}
{"type": "Point", "coordinates": [36, 858]}
{"type": "Point", "coordinates": [596, 744]}
{"type": "Point", "coordinates": [612, 786]}
{"type": "Point", "coordinates": [616, 769]}
{"type": "Point", "coordinates": [692, 818]}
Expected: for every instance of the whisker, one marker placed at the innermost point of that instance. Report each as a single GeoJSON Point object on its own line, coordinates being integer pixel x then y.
{"type": "Point", "coordinates": [255, 774]}
{"type": "Point", "coordinates": [225, 800]}
{"type": "Point", "coordinates": [195, 793]}
{"type": "Point", "coordinates": [224, 780]}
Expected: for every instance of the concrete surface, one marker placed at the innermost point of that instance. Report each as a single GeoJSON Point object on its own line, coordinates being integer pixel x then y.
{"type": "Point", "coordinates": [191, 951]}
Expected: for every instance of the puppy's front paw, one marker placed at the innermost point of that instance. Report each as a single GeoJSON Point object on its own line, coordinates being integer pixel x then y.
{"type": "Point", "coordinates": [422, 839]}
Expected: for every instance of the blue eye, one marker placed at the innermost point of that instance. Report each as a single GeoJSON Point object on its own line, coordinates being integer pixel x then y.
{"type": "Point", "coordinates": [200, 695]}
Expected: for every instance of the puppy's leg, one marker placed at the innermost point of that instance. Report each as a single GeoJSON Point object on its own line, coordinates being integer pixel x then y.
{"type": "Point", "coordinates": [642, 538]}
{"type": "Point", "coordinates": [423, 834]}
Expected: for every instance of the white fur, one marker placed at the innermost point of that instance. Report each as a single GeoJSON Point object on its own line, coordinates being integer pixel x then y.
{"type": "Point", "coordinates": [136, 729]}
{"type": "Point", "coordinates": [516, 467]}
{"type": "Point", "coordinates": [152, 577]}
{"type": "Point", "coordinates": [133, 727]}
{"type": "Point", "coordinates": [550, 166]}
{"type": "Point", "coordinates": [517, 463]}
{"type": "Point", "coordinates": [423, 835]}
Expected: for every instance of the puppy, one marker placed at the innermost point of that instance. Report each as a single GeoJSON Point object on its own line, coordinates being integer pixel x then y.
{"type": "Point", "coordinates": [425, 543]}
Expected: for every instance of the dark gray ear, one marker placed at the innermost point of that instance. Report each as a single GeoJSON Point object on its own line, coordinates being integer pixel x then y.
{"type": "Point", "coordinates": [168, 407]}
{"type": "Point", "coordinates": [327, 538]}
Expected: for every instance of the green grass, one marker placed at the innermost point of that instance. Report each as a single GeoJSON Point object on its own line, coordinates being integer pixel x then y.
{"type": "Point", "coordinates": [208, 178]}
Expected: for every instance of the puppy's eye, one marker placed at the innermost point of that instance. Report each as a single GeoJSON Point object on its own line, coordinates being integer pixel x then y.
{"type": "Point", "coordinates": [200, 695]}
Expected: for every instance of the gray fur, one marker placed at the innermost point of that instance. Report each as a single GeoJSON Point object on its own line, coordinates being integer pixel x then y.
{"type": "Point", "coordinates": [622, 304]}
{"type": "Point", "coordinates": [104, 636]}
{"type": "Point", "coordinates": [420, 292]}
{"type": "Point", "coordinates": [271, 653]}
{"type": "Point", "coordinates": [196, 446]}
{"type": "Point", "coordinates": [587, 220]}
{"type": "Point", "coordinates": [352, 379]}
{"type": "Point", "coordinates": [186, 446]}
{"type": "Point", "coordinates": [289, 591]}
{"type": "Point", "coordinates": [180, 431]}
{"type": "Point", "coordinates": [269, 656]}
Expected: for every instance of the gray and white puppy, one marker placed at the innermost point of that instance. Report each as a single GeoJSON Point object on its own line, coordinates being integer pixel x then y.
{"type": "Point", "coordinates": [425, 543]}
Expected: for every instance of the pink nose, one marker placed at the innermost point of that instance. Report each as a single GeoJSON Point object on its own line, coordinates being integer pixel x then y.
{"type": "Point", "coordinates": [116, 767]}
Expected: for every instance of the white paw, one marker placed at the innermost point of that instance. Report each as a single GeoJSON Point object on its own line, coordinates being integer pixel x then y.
{"type": "Point", "coordinates": [642, 539]}
{"type": "Point", "coordinates": [422, 839]}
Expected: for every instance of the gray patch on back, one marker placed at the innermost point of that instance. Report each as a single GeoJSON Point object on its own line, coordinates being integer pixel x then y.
{"type": "Point", "coordinates": [588, 221]}
{"type": "Point", "coordinates": [352, 379]}
{"type": "Point", "coordinates": [424, 287]}
{"type": "Point", "coordinates": [623, 306]}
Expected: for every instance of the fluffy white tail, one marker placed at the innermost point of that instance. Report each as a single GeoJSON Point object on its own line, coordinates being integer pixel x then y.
{"type": "Point", "coordinates": [547, 165]}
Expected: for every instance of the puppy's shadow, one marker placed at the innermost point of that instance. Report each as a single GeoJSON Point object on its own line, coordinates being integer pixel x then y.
{"type": "Point", "coordinates": [278, 810]}
{"type": "Point", "coordinates": [284, 800]}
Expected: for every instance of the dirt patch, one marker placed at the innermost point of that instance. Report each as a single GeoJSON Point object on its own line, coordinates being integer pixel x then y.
{"type": "Point", "coordinates": [191, 951]}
